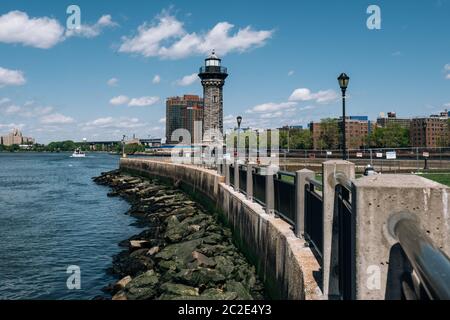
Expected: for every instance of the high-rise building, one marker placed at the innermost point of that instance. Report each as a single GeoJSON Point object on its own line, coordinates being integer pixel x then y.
{"type": "Point", "coordinates": [391, 118]}
{"type": "Point", "coordinates": [182, 113]}
{"type": "Point", "coordinates": [15, 138]}
{"type": "Point", "coordinates": [429, 132]}
{"type": "Point", "coordinates": [213, 77]}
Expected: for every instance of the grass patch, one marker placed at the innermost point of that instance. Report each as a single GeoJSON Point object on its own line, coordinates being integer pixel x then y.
{"type": "Point", "coordinates": [443, 178]}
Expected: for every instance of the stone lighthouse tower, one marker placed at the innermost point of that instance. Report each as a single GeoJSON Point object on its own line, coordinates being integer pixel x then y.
{"type": "Point", "coordinates": [213, 77]}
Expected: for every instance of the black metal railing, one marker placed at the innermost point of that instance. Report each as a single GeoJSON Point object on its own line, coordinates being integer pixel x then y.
{"type": "Point", "coordinates": [259, 187]}
{"type": "Point", "coordinates": [243, 179]}
{"type": "Point", "coordinates": [346, 237]}
{"type": "Point", "coordinates": [430, 264]}
{"type": "Point", "coordinates": [213, 69]}
{"type": "Point", "coordinates": [314, 215]}
{"type": "Point", "coordinates": [285, 196]}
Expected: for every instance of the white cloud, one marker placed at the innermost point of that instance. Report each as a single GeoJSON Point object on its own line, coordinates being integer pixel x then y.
{"type": "Point", "coordinates": [11, 125]}
{"type": "Point", "coordinates": [167, 38]}
{"type": "Point", "coordinates": [291, 73]}
{"type": "Point", "coordinates": [143, 101]}
{"type": "Point", "coordinates": [4, 100]}
{"type": "Point", "coordinates": [17, 27]}
{"type": "Point", "coordinates": [187, 80]}
{"type": "Point", "coordinates": [447, 67]}
{"type": "Point", "coordinates": [56, 118]}
{"type": "Point", "coordinates": [111, 123]}
{"type": "Point", "coordinates": [447, 76]}
{"type": "Point", "coordinates": [229, 119]}
{"type": "Point", "coordinates": [134, 102]}
{"type": "Point", "coordinates": [12, 109]}
{"type": "Point", "coordinates": [28, 110]}
{"type": "Point", "coordinates": [271, 107]}
{"type": "Point", "coordinates": [156, 79]}
{"type": "Point", "coordinates": [11, 77]}
{"type": "Point", "coordinates": [323, 96]}
{"type": "Point", "coordinates": [307, 108]}
{"type": "Point", "coordinates": [94, 30]}
{"type": "Point", "coordinates": [119, 100]}
{"type": "Point", "coordinates": [162, 120]}
{"type": "Point", "coordinates": [271, 115]}
{"type": "Point", "coordinates": [113, 82]}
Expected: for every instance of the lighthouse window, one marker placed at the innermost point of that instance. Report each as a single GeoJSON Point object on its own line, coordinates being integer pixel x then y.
{"type": "Point", "coordinates": [215, 99]}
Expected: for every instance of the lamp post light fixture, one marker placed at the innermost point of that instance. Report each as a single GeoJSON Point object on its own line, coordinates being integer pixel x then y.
{"type": "Point", "coordinates": [123, 146]}
{"type": "Point", "coordinates": [343, 83]}
{"type": "Point", "coordinates": [239, 121]}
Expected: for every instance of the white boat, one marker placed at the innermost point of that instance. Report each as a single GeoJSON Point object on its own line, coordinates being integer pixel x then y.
{"type": "Point", "coordinates": [78, 153]}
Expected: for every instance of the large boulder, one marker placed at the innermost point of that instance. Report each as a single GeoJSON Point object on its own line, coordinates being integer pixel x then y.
{"type": "Point", "coordinates": [121, 284]}
{"type": "Point", "coordinates": [224, 266]}
{"type": "Point", "coordinates": [181, 250]}
{"type": "Point", "coordinates": [237, 287]}
{"type": "Point", "coordinates": [200, 277]}
{"type": "Point", "coordinates": [143, 286]}
{"type": "Point", "coordinates": [217, 294]}
{"type": "Point", "coordinates": [200, 260]}
{"type": "Point", "coordinates": [178, 289]}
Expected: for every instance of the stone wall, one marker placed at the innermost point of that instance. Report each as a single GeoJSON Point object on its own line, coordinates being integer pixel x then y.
{"type": "Point", "coordinates": [283, 261]}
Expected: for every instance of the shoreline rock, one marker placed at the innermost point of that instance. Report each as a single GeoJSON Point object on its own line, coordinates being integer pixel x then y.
{"type": "Point", "coordinates": [183, 252]}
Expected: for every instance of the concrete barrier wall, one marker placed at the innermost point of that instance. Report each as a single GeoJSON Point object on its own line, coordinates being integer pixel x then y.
{"type": "Point", "coordinates": [286, 265]}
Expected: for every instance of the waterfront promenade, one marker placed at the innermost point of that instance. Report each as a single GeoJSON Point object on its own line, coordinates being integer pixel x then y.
{"type": "Point", "coordinates": [339, 238]}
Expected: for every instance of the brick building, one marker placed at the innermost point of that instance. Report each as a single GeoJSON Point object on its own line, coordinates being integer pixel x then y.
{"type": "Point", "coordinates": [430, 132]}
{"type": "Point", "coordinates": [15, 138]}
{"type": "Point", "coordinates": [357, 130]}
{"type": "Point", "coordinates": [391, 118]}
{"type": "Point", "coordinates": [181, 113]}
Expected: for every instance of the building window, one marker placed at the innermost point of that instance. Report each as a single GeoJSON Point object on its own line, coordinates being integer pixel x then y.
{"type": "Point", "coordinates": [215, 100]}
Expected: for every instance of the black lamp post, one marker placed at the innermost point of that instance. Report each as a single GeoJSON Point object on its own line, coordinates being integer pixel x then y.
{"type": "Point", "coordinates": [343, 83]}
{"type": "Point", "coordinates": [239, 120]}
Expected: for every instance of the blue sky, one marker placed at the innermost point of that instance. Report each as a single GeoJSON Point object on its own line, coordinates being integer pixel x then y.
{"type": "Point", "coordinates": [283, 59]}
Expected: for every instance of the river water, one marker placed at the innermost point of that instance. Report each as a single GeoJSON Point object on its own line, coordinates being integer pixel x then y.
{"type": "Point", "coordinates": [53, 216]}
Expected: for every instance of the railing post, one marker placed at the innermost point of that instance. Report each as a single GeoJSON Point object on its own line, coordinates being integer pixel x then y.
{"type": "Point", "coordinates": [227, 172]}
{"type": "Point", "coordinates": [301, 177]}
{"type": "Point", "coordinates": [236, 176]}
{"type": "Point", "coordinates": [330, 233]}
{"type": "Point", "coordinates": [249, 181]}
{"type": "Point", "coordinates": [270, 189]}
{"type": "Point", "coordinates": [379, 202]}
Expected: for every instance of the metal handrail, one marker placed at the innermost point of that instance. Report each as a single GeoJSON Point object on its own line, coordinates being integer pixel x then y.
{"type": "Point", "coordinates": [343, 180]}
{"type": "Point", "coordinates": [431, 264]}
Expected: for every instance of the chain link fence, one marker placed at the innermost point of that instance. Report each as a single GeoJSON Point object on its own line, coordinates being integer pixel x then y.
{"type": "Point", "coordinates": [387, 160]}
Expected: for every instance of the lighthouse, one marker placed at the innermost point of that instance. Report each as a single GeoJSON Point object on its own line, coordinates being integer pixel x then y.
{"type": "Point", "coordinates": [213, 77]}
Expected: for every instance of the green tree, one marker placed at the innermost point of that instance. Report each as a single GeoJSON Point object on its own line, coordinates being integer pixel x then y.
{"type": "Point", "coordinates": [391, 136]}
{"type": "Point", "coordinates": [329, 136]}
{"type": "Point", "coordinates": [133, 148]}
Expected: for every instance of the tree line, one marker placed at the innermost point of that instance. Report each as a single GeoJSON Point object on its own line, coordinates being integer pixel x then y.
{"type": "Point", "coordinates": [391, 136]}
{"type": "Point", "coordinates": [70, 146]}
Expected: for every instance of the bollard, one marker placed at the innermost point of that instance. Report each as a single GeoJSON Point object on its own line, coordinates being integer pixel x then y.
{"type": "Point", "coordinates": [270, 189]}
{"type": "Point", "coordinates": [227, 173]}
{"type": "Point", "coordinates": [236, 176]}
{"type": "Point", "coordinates": [250, 181]}
{"type": "Point", "coordinates": [330, 233]}
{"type": "Point", "coordinates": [300, 207]}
